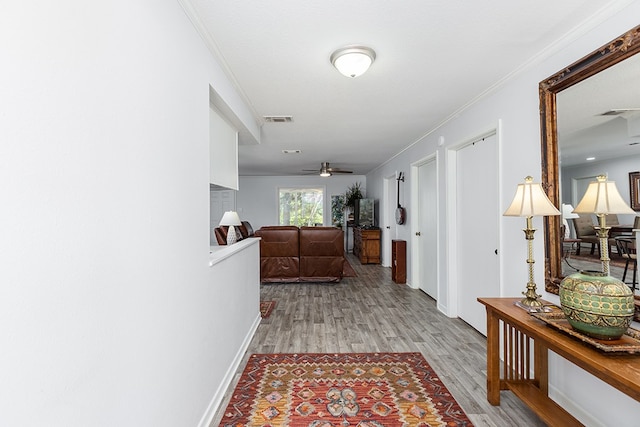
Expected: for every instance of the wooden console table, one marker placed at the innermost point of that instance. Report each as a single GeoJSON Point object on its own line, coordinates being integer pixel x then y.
{"type": "Point", "coordinates": [524, 336]}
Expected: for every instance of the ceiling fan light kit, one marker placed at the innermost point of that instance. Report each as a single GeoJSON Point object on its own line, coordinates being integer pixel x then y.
{"type": "Point", "coordinates": [326, 170]}
{"type": "Point", "coordinates": [353, 61]}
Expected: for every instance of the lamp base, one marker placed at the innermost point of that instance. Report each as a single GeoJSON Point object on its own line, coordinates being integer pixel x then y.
{"type": "Point", "coordinates": [531, 301]}
{"type": "Point", "coordinates": [231, 235]}
{"type": "Point", "coordinates": [532, 308]}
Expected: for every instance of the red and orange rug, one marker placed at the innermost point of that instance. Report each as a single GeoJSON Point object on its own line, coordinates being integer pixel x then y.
{"type": "Point", "coordinates": [266, 307]}
{"type": "Point", "coordinates": [341, 390]}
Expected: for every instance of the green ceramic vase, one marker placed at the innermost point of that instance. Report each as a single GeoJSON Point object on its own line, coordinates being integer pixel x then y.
{"type": "Point", "coordinates": [596, 304]}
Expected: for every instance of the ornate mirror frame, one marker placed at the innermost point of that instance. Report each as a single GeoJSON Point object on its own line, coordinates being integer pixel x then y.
{"type": "Point", "coordinates": [619, 49]}
{"type": "Point", "coordinates": [634, 190]}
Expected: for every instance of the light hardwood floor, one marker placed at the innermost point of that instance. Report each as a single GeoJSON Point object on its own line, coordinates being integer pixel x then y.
{"type": "Point", "coordinates": [371, 313]}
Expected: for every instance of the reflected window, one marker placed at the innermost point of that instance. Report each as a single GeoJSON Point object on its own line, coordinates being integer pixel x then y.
{"type": "Point", "coordinates": [301, 206]}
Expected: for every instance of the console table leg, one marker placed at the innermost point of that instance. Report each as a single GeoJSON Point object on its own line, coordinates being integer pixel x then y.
{"type": "Point", "coordinates": [541, 367]}
{"type": "Point", "coordinates": [493, 358]}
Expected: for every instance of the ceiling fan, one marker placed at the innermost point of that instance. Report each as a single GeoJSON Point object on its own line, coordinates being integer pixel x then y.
{"type": "Point", "coordinates": [326, 170]}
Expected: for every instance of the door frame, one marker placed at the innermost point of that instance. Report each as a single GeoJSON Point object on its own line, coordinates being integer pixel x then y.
{"type": "Point", "coordinates": [415, 221]}
{"type": "Point", "coordinates": [450, 306]}
{"type": "Point", "coordinates": [388, 219]}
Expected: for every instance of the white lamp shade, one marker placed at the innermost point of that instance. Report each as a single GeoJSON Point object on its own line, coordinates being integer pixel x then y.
{"type": "Point", "coordinates": [602, 197]}
{"type": "Point", "coordinates": [567, 212]}
{"type": "Point", "coordinates": [230, 218]}
{"type": "Point", "coordinates": [531, 200]}
{"type": "Point", "coordinates": [353, 61]}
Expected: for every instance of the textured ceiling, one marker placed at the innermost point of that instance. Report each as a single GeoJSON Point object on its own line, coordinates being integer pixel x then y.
{"type": "Point", "coordinates": [433, 58]}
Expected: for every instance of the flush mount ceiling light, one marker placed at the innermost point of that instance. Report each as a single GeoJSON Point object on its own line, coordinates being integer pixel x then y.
{"type": "Point", "coordinates": [353, 61]}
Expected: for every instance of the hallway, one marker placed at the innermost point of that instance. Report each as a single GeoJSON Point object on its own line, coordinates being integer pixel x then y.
{"type": "Point", "coordinates": [370, 313]}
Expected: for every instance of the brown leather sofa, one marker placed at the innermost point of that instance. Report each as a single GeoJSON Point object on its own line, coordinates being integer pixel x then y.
{"type": "Point", "coordinates": [242, 232]}
{"type": "Point", "coordinates": [308, 254]}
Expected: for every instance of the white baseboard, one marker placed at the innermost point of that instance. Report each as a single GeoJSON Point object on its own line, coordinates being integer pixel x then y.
{"type": "Point", "coordinates": [573, 408]}
{"type": "Point", "coordinates": [214, 405]}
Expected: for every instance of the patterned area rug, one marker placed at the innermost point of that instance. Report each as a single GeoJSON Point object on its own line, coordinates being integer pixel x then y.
{"type": "Point", "coordinates": [341, 390]}
{"type": "Point", "coordinates": [266, 307]}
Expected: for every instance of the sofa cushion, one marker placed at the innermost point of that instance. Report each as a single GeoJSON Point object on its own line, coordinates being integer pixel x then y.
{"type": "Point", "coordinates": [321, 241]}
{"type": "Point", "coordinates": [246, 229]}
{"type": "Point", "coordinates": [279, 254]}
{"type": "Point", "coordinates": [321, 254]}
{"type": "Point", "coordinates": [321, 269]}
{"type": "Point", "coordinates": [278, 241]}
{"type": "Point", "coordinates": [279, 269]}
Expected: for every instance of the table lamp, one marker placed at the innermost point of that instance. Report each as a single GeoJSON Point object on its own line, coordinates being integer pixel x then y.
{"type": "Point", "coordinates": [602, 198]}
{"type": "Point", "coordinates": [530, 200]}
{"type": "Point", "coordinates": [231, 218]}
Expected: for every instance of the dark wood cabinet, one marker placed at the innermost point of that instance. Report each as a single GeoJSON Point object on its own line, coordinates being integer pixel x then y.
{"type": "Point", "coordinates": [366, 245]}
{"type": "Point", "coordinates": [399, 261]}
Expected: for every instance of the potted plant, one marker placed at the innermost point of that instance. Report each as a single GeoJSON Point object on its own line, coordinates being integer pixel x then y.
{"type": "Point", "coordinates": [353, 193]}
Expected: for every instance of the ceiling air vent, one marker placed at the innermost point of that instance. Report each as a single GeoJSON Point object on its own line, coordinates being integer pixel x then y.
{"type": "Point", "coordinates": [278, 119]}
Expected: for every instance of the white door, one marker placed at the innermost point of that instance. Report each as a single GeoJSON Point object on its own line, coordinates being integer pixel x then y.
{"type": "Point", "coordinates": [428, 229]}
{"type": "Point", "coordinates": [477, 215]}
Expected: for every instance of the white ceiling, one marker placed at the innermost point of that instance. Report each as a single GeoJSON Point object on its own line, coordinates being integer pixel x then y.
{"type": "Point", "coordinates": [583, 130]}
{"type": "Point", "coordinates": [433, 58]}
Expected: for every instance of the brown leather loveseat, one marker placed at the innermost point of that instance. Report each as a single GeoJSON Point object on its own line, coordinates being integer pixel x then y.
{"type": "Point", "coordinates": [306, 254]}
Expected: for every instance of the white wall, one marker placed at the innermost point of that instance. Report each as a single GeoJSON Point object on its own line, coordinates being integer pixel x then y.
{"type": "Point", "coordinates": [108, 307]}
{"type": "Point", "coordinates": [257, 200]}
{"type": "Point", "coordinates": [223, 155]}
{"type": "Point", "coordinates": [235, 278]}
{"type": "Point", "coordinates": [513, 108]}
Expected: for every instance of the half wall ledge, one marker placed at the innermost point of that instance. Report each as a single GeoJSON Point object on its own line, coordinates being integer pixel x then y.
{"type": "Point", "coordinates": [220, 253]}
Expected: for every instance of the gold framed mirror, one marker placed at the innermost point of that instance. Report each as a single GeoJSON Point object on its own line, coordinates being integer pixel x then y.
{"type": "Point", "coordinates": [619, 49]}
